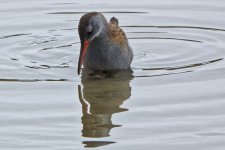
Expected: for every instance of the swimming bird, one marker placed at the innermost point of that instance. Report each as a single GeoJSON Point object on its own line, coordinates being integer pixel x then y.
{"type": "Point", "coordinates": [104, 45]}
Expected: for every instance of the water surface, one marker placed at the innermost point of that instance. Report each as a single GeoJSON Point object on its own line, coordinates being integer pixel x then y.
{"type": "Point", "coordinates": [174, 99]}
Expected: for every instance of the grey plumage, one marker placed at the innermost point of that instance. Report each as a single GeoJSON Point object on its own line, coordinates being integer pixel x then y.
{"type": "Point", "coordinates": [108, 47]}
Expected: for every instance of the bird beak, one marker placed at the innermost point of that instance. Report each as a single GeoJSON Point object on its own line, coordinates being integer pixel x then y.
{"type": "Point", "coordinates": [83, 49]}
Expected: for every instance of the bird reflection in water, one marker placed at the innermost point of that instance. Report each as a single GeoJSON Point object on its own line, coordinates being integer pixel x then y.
{"type": "Point", "coordinates": [100, 99]}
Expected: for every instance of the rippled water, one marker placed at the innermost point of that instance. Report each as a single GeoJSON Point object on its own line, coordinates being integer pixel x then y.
{"type": "Point", "coordinates": [175, 98]}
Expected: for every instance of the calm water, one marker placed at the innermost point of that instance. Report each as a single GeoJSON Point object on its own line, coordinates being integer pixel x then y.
{"type": "Point", "coordinates": [174, 100]}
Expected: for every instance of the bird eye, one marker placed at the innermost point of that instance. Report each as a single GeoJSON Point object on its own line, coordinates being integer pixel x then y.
{"type": "Point", "coordinates": [89, 33]}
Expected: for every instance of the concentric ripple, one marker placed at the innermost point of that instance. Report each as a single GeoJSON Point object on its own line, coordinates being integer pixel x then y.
{"type": "Point", "coordinates": [161, 44]}
{"type": "Point", "coordinates": [176, 48]}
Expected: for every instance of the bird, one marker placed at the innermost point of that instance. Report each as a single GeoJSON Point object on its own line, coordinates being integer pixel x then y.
{"type": "Point", "coordinates": [104, 45]}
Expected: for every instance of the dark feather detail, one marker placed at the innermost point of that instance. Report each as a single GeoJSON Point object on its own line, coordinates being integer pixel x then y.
{"type": "Point", "coordinates": [116, 34]}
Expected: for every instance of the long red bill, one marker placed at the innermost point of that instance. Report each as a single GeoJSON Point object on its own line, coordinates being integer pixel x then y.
{"type": "Point", "coordinates": [83, 49]}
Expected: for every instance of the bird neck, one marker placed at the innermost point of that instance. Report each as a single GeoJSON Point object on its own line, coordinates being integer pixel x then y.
{"type": "Point", "coordinates": [103, 36]}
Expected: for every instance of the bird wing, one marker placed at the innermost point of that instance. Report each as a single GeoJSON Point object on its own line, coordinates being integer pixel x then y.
{"type": "Point", "coordinates": [116, 34]}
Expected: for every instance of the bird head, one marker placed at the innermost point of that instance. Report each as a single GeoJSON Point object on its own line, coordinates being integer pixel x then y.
{"type": "Point", "coordinates": [91, 26]}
